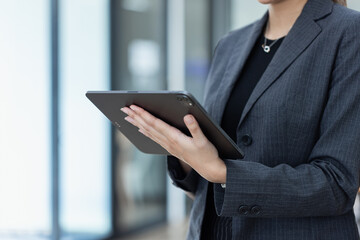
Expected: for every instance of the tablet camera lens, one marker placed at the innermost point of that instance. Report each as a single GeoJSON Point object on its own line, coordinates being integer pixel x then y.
{"type": "Point", "coordinates": [185, 100]}
{"type": "Point", "coordinates": [182, 98]}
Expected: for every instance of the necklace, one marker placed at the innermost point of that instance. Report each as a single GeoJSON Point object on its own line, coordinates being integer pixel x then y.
{"type": "Point", "coordinates": [266, 47]}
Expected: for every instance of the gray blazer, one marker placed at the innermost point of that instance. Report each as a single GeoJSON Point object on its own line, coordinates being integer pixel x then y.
{"type": "Point", "coordinates": [300, 131]}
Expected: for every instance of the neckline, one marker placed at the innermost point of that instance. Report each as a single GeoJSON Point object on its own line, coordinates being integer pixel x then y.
{"type": "Point", "coordinates": [272, 40]}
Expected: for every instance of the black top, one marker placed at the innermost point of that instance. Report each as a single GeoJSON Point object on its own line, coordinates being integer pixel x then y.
{"type": "Point", "coordinates": [215, 227]}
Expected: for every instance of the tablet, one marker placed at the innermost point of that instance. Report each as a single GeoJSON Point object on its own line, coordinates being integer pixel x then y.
{"type": "Point", "coordinates": [171, 107]}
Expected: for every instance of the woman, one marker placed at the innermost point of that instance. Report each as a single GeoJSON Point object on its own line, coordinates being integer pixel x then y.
{"type": "Point", "coordinates": [287, 89]}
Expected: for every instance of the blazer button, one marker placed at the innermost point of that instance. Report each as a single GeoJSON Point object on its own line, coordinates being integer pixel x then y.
{"type": "Point", "coordinates": [255, 210]}
{"type": "Point", "coordinates": [246, 140]}
{"type": "Point", "coordinates": [244, 210]}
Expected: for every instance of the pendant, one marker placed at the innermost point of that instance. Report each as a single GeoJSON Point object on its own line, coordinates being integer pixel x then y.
{"type": "Point", "coordinates": [266, 49]}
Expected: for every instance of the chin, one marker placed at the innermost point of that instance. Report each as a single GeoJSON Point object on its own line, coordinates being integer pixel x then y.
{"type": "Point", "coordinates": [269, 1]}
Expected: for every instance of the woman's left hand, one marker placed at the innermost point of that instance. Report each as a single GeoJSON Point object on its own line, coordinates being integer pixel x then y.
{"type": "Point", "coordinates": [197, 151]}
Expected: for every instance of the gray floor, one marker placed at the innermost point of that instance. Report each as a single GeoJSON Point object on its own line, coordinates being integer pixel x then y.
{"type": "Point", "coordinates": [175, 231]}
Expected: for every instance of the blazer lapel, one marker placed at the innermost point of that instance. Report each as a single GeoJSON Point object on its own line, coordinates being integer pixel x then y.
{"type": "Point", "coordinates": [235, 66]}
{"type": "Point", "coordinates": [304, 31]}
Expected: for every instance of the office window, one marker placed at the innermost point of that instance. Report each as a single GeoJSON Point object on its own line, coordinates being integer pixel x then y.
{"type": "Point", "coordinates": [245, 12]}
{"type": "Point", "coordinates": [84, 133]}
{"type": "Point", "coordinates": [354, 4]}
{"type": "Point", "coordinates": [25, 102]}
{"type": "Point", "coordinates": [197, 45]}
{"type": "Point", "coordinates": [138, 37]}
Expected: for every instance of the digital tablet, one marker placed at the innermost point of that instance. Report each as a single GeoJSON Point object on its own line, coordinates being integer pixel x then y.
{"type": "Point", "coordinates": [171, 107]}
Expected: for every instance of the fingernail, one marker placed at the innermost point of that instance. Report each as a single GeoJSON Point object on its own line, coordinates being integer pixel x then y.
{"type": "Point", "coordinates": [123, 110]}
{"type": "Point", "coordinates": [189, 120]}
{"type": "Point", "coordinates": [129, 119]}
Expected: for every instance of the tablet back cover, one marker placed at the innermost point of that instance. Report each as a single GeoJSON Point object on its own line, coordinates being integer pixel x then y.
{"type": "Point", "coordinates": [171, 107]}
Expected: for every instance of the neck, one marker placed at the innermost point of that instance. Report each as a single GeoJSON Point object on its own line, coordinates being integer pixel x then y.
{"type": "Point", "coordinates": [282, 16]}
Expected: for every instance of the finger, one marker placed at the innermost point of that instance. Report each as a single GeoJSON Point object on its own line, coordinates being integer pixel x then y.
{"type": "Point", "coordinates": [164, 144]}
{"type": "Point", "coordinates": [172, 139]}
{"type": "Point", "coordinates": [148, 120]}
{"type": "Point", "coordinates": [194, 128]}
{"type": "Point", "coordinates": [147, 134]}
{"type": "Point", "coordinates": [153, 124]}
{"type": "Point", "coordinates": [134, 118]}
{"type": "Point", "coordinates": [161, 143]}
{"type": "Point", "coordinates": [139, 122]}
{"type": "Point", "coordinates": [132, 121]}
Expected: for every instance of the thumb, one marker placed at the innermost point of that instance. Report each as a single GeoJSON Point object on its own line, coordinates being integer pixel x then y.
{"type": "Point", "coordinates": [193, 127]}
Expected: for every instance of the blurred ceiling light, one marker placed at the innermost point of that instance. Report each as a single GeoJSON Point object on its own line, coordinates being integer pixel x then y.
{"type": "Point", "coordinates": [144, 58]}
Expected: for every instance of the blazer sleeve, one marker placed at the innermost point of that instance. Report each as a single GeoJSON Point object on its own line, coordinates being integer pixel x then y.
{"type": "Point", "coordinates": [188, 182]}
{"type": "Point", "coordinates": [327, 182]}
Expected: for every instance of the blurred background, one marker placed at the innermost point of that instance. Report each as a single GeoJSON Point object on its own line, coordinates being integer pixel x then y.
{"type": "Point", "coordinates": [65, 173]}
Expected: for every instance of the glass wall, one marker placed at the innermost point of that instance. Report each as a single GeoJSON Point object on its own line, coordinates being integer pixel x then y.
{"type": "Point", "coordinates": [354, 4]}
{"type": "Point", "coordinates": [138, 63]}
{"type": "Point", "coordinates": [27, 209]}
{"type": "Point", "coordinates": [25, 102]}
{"type": "Point", "coordinates": [246, 12]}
{"type": "Point", "coordinates": [84, 135]}
{"type": "Point", "coordinates": [197, 45]}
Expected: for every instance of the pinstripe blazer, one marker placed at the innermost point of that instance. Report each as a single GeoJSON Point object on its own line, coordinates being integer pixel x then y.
{"type": "Point", "coordinates": [300, 173]}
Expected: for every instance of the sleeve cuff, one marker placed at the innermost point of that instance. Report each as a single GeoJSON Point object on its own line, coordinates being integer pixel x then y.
{"type": "Point", "coordinates": [229, 201]}
{"type": "Point", "coordinates": [187, 182]}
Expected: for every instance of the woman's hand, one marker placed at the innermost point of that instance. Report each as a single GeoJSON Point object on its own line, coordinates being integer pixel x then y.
{"type": "Point", "coordinates": [197, 151]}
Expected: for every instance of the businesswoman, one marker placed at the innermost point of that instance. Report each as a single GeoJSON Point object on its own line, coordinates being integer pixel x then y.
{"type": "Point", "coordinates": [287, 90]}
